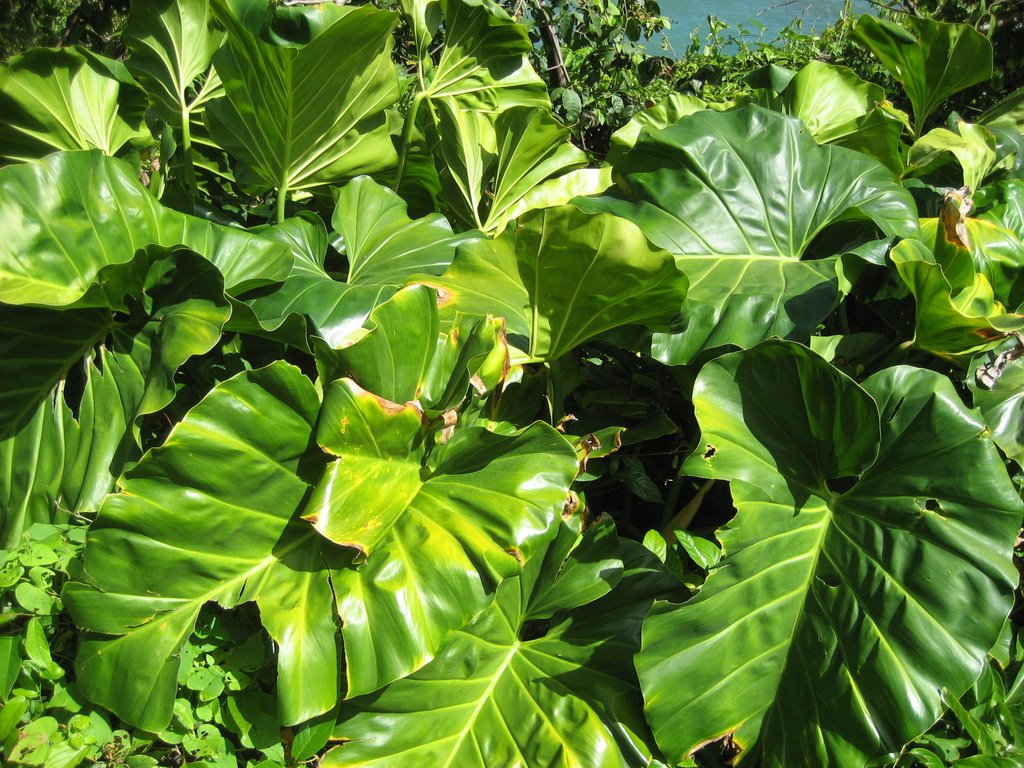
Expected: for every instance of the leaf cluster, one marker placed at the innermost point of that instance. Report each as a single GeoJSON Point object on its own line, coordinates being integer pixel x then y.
{"type": "Point", "coordinates": [358, 421]}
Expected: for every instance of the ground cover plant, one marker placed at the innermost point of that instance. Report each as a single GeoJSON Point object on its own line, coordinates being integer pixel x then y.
{"type": "Point", "coordinates": [352, 418]}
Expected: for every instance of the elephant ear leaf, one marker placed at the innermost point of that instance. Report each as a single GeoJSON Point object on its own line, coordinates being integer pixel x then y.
{"type": "Point", "coordinates": [840, 108]}
{"type": "Point", "coordinates": [757, 260]}
{"type": "Point", "coordinates": [211, 516]}
{"type": "Point", "coordinates": [519, 686]}
{"type": "Point", "coordinates": [933, 60]}
{"type": "Point", "coordinates": [840, 554]}
{"type": "Point", "coordinates": [484, 65]}
{"type": "Point", "coordinates": [562, 277]}
{"type": "Point", "coordinates": [437, 533]}
{"type": "Point", "coordinates": [302, 117]}
{"type": "Point", "coordinates": [66, 99]}
{"type": "Point", "coordinates": [79, 212]}
{"type": "Point", "coordinates": [172, 43]}
{"type": "Point", "coordinates": [384, 245]}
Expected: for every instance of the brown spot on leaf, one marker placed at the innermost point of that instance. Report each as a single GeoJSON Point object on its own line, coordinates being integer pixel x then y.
{"type": "Point", "coordinates": [449, 419]}
{"type": "Point", "coordinates": [478, 384]}
{"type": "Point", "coordinates": [514, 551]}
{"type": "Point", "coordinates": [955, 206]}
{"type": "Point", "coordinates": [572, 504]}
{"type": "Point", "coordinates": [710, 451]}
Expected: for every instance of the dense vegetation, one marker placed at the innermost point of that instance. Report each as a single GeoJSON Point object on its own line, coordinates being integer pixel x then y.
{"type": "Point", "coordinates": [356, 416]}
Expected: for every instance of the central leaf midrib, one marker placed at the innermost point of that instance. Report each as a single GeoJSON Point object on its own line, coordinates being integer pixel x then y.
{"type": "Point", "coordinates": [481, 701]}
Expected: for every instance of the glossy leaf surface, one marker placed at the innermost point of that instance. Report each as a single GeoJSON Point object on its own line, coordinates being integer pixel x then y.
{"type": "Point", "coordinates": [78, 212]}
{"type": "Point", "coordinates": [301, 117]}
{"type": "Point", "coordinates": [756, 257]}
{"type": "Point", "coordinates": [384, 245]}
{"type": "Point", "coordinates": [495, 697]}
{"type": "Point", "coordinates": [437, 538]}
{"type": "Point", "coordinates": [172, 43]}
{"type": "Point", "coordinates": [872, 532]}
{"type": "Point", "coordinates": [66, 99]}
{"type": "Point", "coordinates": [1001, 404]}
{"type": "Point", "coordinates": [839, 108]}
{"type": "Point", "coordinates": [484, 65]}
{"type": "Point", "coordinates": [957, 311]}
{"type": "Point", "coordinates": [564, 277]}
{"type": "Point", "coordinates": [403, 355]}
{"type": "Point", "coordinates": [933, 59]}
{"type": "Point", "coordinates": [182, 535]}
{"type": "Point", "coordinates": [64, 446]}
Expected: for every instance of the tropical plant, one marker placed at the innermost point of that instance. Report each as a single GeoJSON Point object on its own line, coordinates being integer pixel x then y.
{"type": "Point", "coordinates": [354, 419]}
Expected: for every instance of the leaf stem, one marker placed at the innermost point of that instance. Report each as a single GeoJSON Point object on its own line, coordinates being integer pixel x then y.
{"type": "Point", "coordinates": [282, 198]}
{"type": "Point", "coordinates": [410, 120]}
{"type": "Point", "coordinates": [683, 518]}
{"type": "Point", "coordinates": [186, 147]}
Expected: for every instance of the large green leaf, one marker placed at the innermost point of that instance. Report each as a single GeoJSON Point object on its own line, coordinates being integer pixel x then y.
{"type": "Point", "coordinates": [68, 216]}
{"type": "Point", "coordinates": [68, 98]}
{"type": "Point", "coordinates": [973, 146]}
{"type": "Point", "coordinates": [126, 356]}
{"type": "Point", "coordinates": [301, 117]}
{"type": "Point", "coordinates": [310, 302]}
{"type": "Point", "coordinates": [839, 108]}
{"type": "Point", "coordinates": [209, 516]}
{"type": "Point", "coordinates": [403, 356]}
{"type": "Point", "coordinates": [172, 44]}
{"type": "Point", "coordinates": [744, 199]}
{"type": "Point", "coordinates": [437, 535]}
{"type": "Point", "coordinates": [532, 147]}
{"type": "Point", "coordinates": [669, 110]}
{"type": "Point", "coordinates": [486, 171]}
{"type": "Point", "coordinates": [484, 65]}
{"type": "Point", "coordinates": [383, 244]}
{"type": "Point", "coordinates": [483, 71]}
{"type": "Point", "coordinates": [1003, 204]}
{"type": "Point", "coordinates": [1001, 402]}
{"type": "Point", "coordinates": [31, 467]}
{"type": "Point", "coordinates": [867, 569]}
{"type": "Point", "coordinates": [933, 60]}
{"type": "Point", "coordinates": [961, 295]}
{"type": "Point", "coordinates": [956, 311]}
{"type": "Point", "coordinates": [499, 694]}
{"type": "Point", "coordinates": [563, 277]}
{"type": "Point", "coordinates": [996, 253]}
{"type": "Point", "coordinates": [482, 280]}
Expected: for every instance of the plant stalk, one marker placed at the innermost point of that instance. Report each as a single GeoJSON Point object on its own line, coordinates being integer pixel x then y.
{"type": "Point", "coordinates": [682, 519]}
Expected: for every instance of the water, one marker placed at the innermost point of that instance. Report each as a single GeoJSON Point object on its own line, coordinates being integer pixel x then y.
{"type": "Point", "coordinates": [687, 15]}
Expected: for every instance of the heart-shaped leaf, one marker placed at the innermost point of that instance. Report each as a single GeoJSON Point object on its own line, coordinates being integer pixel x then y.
{"type": "Point", "coordinates": [868, 567]}
{"type": "Point", "coordinates": [437, 537]}
{"type": "Point", "coordinates": [933, 60]}
{"type": "Point", "coordinates": [746, 227]}
{"type": "Point", "coordinates": [66, 99]}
